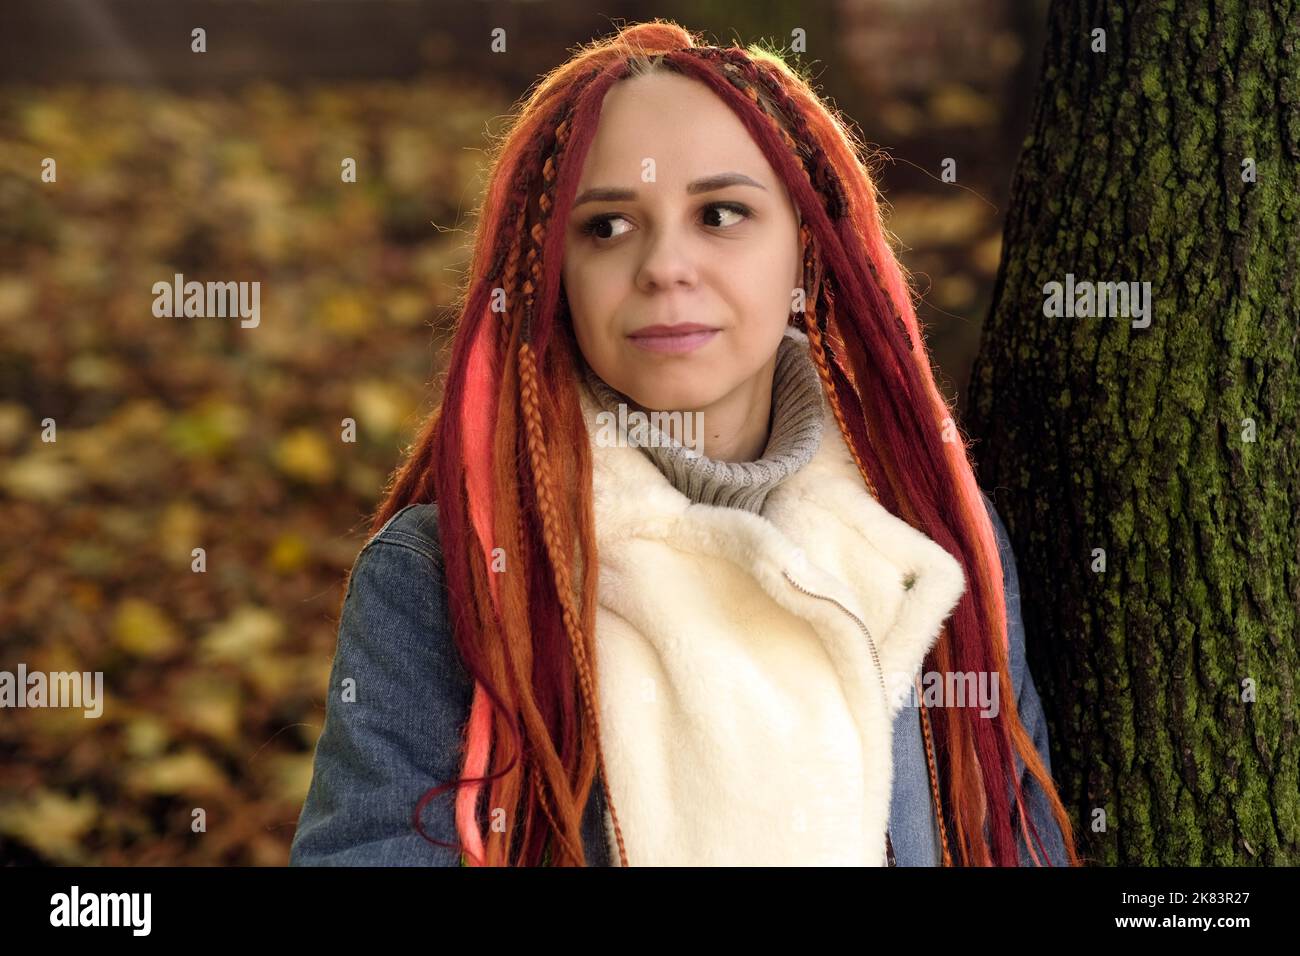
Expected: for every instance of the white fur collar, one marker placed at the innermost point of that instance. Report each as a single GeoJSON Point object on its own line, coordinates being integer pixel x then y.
{"type": "Point", "coordinates": [743, 720]}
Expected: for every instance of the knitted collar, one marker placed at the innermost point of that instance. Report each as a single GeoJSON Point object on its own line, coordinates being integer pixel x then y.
{"type": "Point", "coordinates": [794, 437]}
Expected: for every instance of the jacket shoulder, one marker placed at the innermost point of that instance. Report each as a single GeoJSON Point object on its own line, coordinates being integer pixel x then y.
{"type": "Point", "coordinates": [399, 697]}
{"type": "Point", "coordinates": [414, 527]}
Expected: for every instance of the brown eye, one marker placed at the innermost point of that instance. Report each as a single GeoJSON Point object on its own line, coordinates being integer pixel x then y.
{"type": "Point", "coordinates": [735, 209]}
{"type": "Point", "coordinates": [595, 226]}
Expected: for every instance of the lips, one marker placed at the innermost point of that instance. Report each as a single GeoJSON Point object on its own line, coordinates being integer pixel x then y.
{"type": "Point", "coordinates": [681, 328]}
{"type": "Point", "coordinates": [673, 339]}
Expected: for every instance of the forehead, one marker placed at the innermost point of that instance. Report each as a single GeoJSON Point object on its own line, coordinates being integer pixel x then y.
{"type": "Point", "coordinates": [679, 123]}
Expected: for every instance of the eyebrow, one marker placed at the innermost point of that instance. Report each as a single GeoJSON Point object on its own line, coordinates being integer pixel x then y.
{"type": "Point", "coordinates": [705, 185]}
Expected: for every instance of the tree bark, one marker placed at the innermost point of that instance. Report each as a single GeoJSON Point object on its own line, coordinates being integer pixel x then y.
{"type": "Point", "coordinates": [1169, 677]}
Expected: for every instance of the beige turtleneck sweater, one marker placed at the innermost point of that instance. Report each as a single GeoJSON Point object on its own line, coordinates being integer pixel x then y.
{"type": "Point", "coordinates": [796, 433]}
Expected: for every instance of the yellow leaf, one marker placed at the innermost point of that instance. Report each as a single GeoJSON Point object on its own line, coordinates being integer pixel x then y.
{"type": "Point", "coordinates": [142, 629]}
{"type": "Point", "coordinates": [208, 429]}
{"type": "Point", "coordinates": [145, 736]}
{"type": "Point", "coordinates": [289, 552]}
{"type": "Point", "coordinates": [51, 822]}
{"type": "Point", "coordinates": [927, 221]}
{"type": "Point", "coordinates": [304, 454]}
{"type": "Point", "coordinates": [249, 632]}
{"type": "Point", "coordinates": [209, 703]}
{"type": "Point", "coordinates": [271, 673]}
{"type": "Point", "coordinates": [347, 314]}
{"type": "Point", "coordinates": [381, 406]}
{"type": "Point", "coordinates": [15, 421]}
{"type": "Point", "coordinates": [180, 531]}
{"type": "Point", "coordinates": [186, 772]}
{"type": "Point", "coordinates": [17, 297]}
{"type": "Point", "coordinates": [44, 475]}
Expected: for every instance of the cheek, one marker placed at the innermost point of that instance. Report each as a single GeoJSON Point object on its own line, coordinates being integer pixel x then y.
{"type": "Point", "coordinates": [596, 288]}
{"type": "Point", "coordinates": [593, 297]}
{"type": "Point", "coordinates": [764, 281]}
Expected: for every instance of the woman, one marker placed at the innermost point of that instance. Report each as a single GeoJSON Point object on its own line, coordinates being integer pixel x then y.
{"type": "Point", "coordinates": [615, 647]}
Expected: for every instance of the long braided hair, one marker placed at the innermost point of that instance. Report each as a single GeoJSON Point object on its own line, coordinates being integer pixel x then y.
{"type": "Point", "coordinates": [506, 456]}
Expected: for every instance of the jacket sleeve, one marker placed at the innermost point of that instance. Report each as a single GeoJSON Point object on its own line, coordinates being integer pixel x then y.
{"type": "Point", "coordinates": [398, 701]}
{"type": "Point", "coordinates": [1030, 709]}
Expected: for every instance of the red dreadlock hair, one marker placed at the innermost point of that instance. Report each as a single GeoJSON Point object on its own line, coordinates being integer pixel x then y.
{"type": "Point", "coordinates": [510, 434]}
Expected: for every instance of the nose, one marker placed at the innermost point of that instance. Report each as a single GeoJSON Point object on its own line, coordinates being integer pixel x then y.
{"type": "Point", "coordinates": [668, 261]}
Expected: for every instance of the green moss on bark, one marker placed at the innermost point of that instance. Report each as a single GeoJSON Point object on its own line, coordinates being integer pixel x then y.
{"type": "Point", "coordinates": [1095, 434]}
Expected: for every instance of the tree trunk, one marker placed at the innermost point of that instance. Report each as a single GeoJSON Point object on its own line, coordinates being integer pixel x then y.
{"type": "Point", "coordinates": [1168, 449]}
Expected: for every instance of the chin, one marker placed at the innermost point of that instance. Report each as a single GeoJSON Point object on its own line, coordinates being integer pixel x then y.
{"type": "Point", "coordinates": [669, 400]}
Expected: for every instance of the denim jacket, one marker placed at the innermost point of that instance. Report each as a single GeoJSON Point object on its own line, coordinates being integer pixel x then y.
{"type": "Point", "coordinates": [401, 734]}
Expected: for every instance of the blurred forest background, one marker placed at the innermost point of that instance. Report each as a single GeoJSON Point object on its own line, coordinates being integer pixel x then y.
{"type": "Point", "coordinates": [176, 433]}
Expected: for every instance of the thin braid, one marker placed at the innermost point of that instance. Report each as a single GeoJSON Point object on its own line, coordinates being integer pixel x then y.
{"type": "Point", "coordinates": [533, 261]}
{"type": "Point", "coordinates": [542, 479]}
{"type": "Point", "coordinates": [511, 279]}
{"type": "Point", "coordinates": [821, 173]}
{"type": "Point", "coordinates": [893, 306]}
{"type": "Point", "coordinates": [535, 773]}
{"type": "Point", "coordinates": [934, 777]}
{"type": "Point", "coordinates": [555, 826]}
{"type": "Point", "coordinates": [542, 483]}
{"type": "Point", "coordinates": [818, 350]}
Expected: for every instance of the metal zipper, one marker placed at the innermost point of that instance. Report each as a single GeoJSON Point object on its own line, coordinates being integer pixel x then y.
{"type": "Point", "coordinates": [871, 644]}
{"type": "Point", "coordinates": [880, 673]}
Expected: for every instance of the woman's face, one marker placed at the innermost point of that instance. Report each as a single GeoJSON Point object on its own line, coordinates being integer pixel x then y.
{"type": "Point", "coordinates": [679, 218]}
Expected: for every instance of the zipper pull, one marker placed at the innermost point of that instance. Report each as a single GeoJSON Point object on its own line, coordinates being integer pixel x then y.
{"type": "Point", "coordinates": [889, 850]}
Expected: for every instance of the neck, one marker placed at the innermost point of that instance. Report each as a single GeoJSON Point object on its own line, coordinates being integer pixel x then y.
{"type": "Point", "coordinates": [735, 428]}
